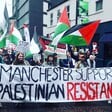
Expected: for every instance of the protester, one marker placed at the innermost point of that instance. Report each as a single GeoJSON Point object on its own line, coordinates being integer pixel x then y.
{"type": "Point", "coordinates": [11, 53]}
{"type": "Point", "coordinates": [36, 60]}
{"type": "Point", "coordinates": [55, 60]}
{"type": "Point", "coordinates": [49, 61]}
{"type": "Point", "coordinates": [20, 59]}
{"type": "Point", "coordinates": [41, 53]}
{"type": "Point", "coordinates": [91, 61]}
{"type": "Point", "coordinates": [82, 61]}
{"type": "Point", "coordinates": [6, 58]}
{"type": "Point", "coordinates": [69, 62]}
{"type": "Point", "coordinates": [88, 53]}
{"type": "Point", "coordinates": [74, 53]}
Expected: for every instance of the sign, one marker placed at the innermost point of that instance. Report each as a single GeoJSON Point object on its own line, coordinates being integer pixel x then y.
{"type": "Point", "coordinates": [60, 52]}
{"type": "Point", "coordinates": [23, 47]}
{"type": "Point", "coordinates": [60, 49]}
{"type": "Point", "coordinates": [46, 84]}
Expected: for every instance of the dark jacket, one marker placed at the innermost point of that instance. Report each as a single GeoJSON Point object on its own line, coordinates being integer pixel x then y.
{"type": "Point", "coordinates": [66, 63]}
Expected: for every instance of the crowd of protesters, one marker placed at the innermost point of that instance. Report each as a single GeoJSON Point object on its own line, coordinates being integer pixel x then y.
{"type": "Point", "coordinates": [73, 59]}
{"type": "Point", "coordinates": [77, 60]}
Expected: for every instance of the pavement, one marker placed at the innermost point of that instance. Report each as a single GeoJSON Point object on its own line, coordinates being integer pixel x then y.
{"type": "Point", "coordinates": [57, 107]}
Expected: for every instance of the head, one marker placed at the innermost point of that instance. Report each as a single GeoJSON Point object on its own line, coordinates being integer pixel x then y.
{"type": "Point", "coordinates": [20, 57]}
{"type": "Point", "coordinates": [49, 60]}
{"type": "Point", "coordinates": [82, 56]}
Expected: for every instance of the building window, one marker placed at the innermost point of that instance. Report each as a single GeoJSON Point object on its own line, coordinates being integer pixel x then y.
{"type": "Point", "coordinates": [51, 19]}
{"type": "Point", "coordinates": [58, 15]}
{"type": "Point", "coordinates": [99, 5]}
{"type": "Point", "coordinates": [68, 10]}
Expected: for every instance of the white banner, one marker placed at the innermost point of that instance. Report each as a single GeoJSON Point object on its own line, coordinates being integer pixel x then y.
{"type": "Point", "coordinates": [45, 84]}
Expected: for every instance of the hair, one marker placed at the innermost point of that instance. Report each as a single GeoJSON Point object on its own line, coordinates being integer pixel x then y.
{"type": "Point", "coordinates": [17, 61]}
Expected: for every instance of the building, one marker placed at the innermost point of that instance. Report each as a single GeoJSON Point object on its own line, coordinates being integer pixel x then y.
{"type": "Point", "coordinates": [100, 9]}
{"type": "Point", "coordinates": [34, 13]}
{"type": "Point", "coordinates": [53, 13]}
{"type": "Point", "coordinates": [97, 10]}
{"type": "Point", "coordinates": [44, 14]}
{"type": "Point", "coordinates": [29, 12]}
{"type": "Point", "coordinates": [75, 13]}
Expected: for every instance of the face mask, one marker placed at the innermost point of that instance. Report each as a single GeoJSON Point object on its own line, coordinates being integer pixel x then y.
{"type": "Point", "coordinates": [75, 53]}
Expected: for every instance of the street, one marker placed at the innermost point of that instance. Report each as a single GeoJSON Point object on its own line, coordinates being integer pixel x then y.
{"type": "Point", "coordinates": [58, 107]}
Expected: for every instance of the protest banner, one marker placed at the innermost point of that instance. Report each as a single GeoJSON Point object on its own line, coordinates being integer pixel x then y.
{"type": "Point", "coordinates": [46, 84]}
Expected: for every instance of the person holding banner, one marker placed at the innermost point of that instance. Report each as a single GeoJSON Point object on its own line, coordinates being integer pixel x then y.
{"type": "Point", "coordinates": [20, 60]}
{"type": "Point", "coordinates": [49, 61]}
{"type": "Point", "coordinates": [7, 59]}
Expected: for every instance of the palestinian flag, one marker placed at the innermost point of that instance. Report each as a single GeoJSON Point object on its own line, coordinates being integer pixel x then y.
{"type": "Point", "coordinates": [80, 35]}
{"type": "Point", "coordinates": [6, 18]}
{"type": "Point", "coordinates": [34, 45]}
{"type": "Point", "coordinates": [42, 43]}
{"type": "Point", "coordinates": [4, 25]}
{"type": "Point", "coordinates": [2, 39]}
{"type": "Point", "coordinates": [3, 43]}
{"type": "Point", "coordinates": [63, 25]}
{"type": "Point", "coordinates": [15, 36]}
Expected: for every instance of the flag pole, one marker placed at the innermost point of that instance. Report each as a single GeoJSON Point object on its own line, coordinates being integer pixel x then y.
{"type": "Point", "coordinates": [77, 11]}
